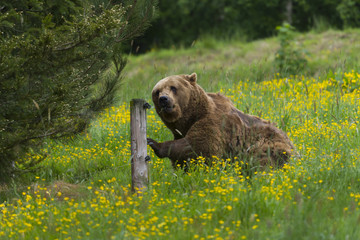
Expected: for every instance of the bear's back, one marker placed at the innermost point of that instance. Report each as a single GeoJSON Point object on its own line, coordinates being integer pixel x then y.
{"type": "Point", "coordinates": [222, 103]}
{"type": "Point", "coordinates": [225, 106]}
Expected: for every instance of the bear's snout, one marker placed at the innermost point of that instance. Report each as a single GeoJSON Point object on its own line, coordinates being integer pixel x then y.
{"type": "Point", "coordinates": [164, 101]}
{"type": "Point", "coordinates": [166, 104]}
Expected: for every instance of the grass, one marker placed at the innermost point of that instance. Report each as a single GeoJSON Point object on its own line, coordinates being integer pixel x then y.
{"type": "Point", "coordinates": [229, 62]}
{"type": "Point", "coordinates": [83, 191]}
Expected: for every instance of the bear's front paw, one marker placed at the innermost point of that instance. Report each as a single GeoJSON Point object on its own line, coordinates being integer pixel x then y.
{"type": "Point", "coordinates": [151, 142]}
{"type": "Point", "coordinates": [155, 146]}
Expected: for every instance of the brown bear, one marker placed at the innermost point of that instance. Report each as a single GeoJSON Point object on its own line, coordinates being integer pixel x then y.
{"type": "Point", "coordinates": [208, 124]}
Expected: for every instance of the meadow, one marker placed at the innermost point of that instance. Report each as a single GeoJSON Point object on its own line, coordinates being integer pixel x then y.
{"type": "Point", "coordinates": [82, 188]}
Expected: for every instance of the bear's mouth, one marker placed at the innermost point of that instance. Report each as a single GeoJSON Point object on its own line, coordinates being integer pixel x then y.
{"type": "Point", "coordinates": [167, 109]}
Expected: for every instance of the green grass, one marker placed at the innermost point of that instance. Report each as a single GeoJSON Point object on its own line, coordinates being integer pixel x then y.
{"type": "Point", "coordinates": [82, 190]}
{"type": "Point", "coordinates": [229, 62]}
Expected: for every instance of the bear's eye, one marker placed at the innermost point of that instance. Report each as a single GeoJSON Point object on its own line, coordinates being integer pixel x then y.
{"type": "Point", "coordinates": [157, 93]}
{"type": "Point", "coordinates": [173, 89]}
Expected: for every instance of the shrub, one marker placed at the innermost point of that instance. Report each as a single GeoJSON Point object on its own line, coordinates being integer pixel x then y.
{"type": "Point", "coordinates": [290, 57]}
{"type": "Point", "coordinates": [349, 11]}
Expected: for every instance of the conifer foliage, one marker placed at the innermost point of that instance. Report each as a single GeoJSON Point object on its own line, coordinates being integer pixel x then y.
{"type": "Point", "coordinates": [52, 56]}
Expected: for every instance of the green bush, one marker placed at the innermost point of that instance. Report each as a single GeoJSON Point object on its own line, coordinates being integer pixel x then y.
{"type": "Point", "coordinates": [350, 12]}
{"type": "Point", "coordinates": [290, 57]}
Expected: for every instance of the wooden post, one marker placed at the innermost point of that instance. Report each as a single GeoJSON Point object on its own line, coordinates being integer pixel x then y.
{"type": "Point", "coordinates": [139, 158]}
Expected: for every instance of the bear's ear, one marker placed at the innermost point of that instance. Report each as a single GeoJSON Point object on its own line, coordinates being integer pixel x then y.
{"type": "Point", "coordinates": [192, 78]}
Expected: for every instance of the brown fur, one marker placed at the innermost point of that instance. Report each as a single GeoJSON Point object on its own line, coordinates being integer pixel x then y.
{"type": "Point", "coordinates": [207, 124]}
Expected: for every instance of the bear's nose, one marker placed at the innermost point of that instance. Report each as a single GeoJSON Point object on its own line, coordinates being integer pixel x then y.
{"type": "Point", "coordinates": [163, 100]}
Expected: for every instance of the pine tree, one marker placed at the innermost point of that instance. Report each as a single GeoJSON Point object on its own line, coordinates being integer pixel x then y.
{"type": "Point", "coordinates": [52, 54]}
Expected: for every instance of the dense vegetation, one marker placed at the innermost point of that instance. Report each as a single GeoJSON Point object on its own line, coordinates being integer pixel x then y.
{"type": "Point", "coordinates": [52, 55]}
{"type": "Point", "coordinates": [183, 22]}
{"type": "Point", "coordinates": [83, 188]}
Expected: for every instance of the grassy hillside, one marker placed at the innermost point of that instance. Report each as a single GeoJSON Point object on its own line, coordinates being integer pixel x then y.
{"type": "Point", "coordinates": [82, 190]}
{"type": "Point", "coordinates": [222, 64]}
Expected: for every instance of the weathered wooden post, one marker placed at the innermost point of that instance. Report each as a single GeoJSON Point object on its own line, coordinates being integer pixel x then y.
{"type": "Point", "coordinates": [139, 158]}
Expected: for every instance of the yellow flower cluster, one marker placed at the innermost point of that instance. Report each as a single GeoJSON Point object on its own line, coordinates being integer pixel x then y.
{"type": "Point", "coordinates": [224, 200]}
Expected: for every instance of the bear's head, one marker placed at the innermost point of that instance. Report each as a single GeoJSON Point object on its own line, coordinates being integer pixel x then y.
{"type": "Point", "coordinates": [171, 96]}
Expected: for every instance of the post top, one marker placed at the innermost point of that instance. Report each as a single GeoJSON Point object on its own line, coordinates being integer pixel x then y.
{"type": "Point", "coordinates": [140, 102]}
